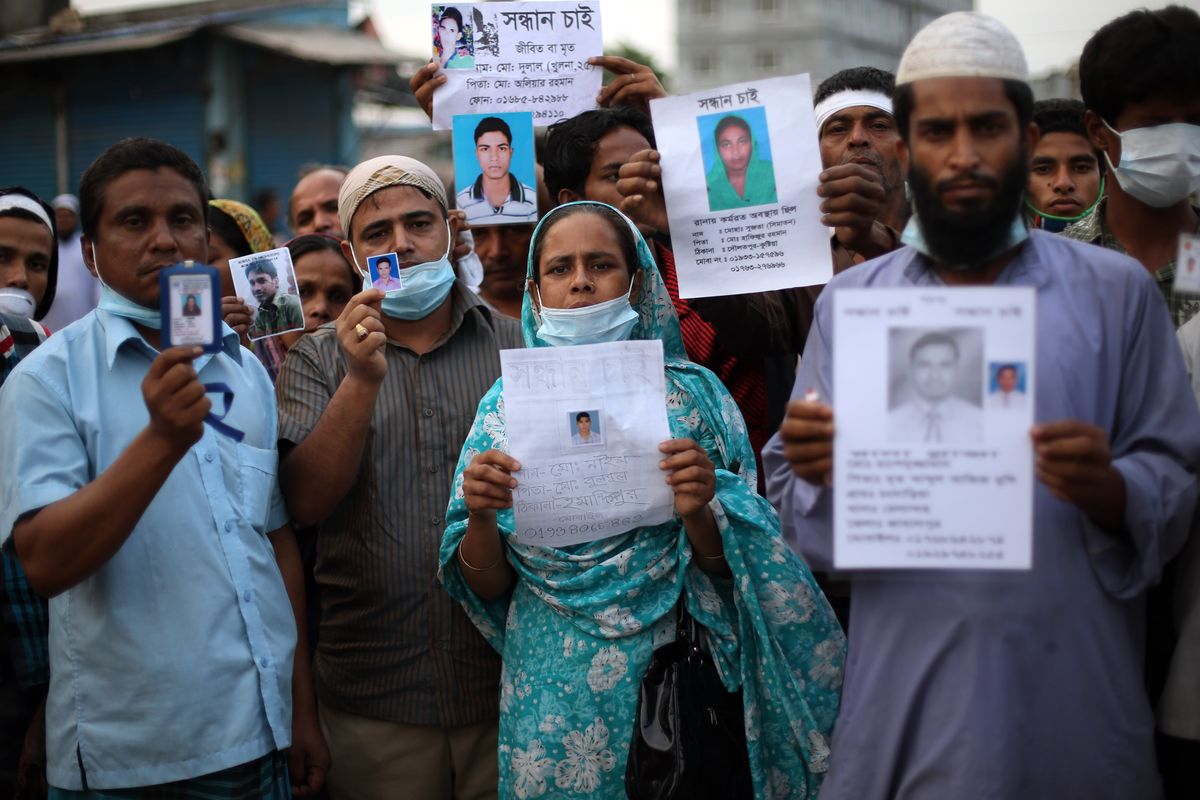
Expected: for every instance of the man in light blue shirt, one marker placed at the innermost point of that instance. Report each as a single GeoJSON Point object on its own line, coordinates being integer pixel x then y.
{"type": "Point", "coordinates": [163, 543]}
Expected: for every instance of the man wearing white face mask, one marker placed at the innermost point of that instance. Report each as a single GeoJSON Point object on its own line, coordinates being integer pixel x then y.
{"type": "Point", "coordinates": [373, 414]}
{"type": "Point", "coordinates": [1141, 84]}
{"type": "Point", "coordinates": [28, 273]}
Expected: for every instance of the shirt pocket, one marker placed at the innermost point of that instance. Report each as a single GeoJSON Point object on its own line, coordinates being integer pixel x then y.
{"type": "Point", "coordinates": [258, 470]}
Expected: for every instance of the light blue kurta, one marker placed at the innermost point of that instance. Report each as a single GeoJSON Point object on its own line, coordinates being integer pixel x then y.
{"type": "Point", "coordinates": [578, 630]}
{"type": "Point", "coordinates": [989, 684]}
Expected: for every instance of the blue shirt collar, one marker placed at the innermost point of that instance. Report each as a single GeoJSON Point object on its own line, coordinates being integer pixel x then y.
{"type": "Point", "coordinates": [1027, 269]}
{"type": "Point", "coordinates": [119, 330]}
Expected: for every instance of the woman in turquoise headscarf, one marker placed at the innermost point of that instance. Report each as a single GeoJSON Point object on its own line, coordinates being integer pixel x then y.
{"type": "Point", "coordinates": [576, 625]}
{"type": "Point", "coordinates": [739, 177]}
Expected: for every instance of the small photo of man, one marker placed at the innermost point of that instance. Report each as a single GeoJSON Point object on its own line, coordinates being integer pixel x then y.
{"type": "Point", "coordinates": [1006, 386]}
{"type": "Point", "coordinates": [267, 281]}
{"type": "Point", "coordinates": [736, 150]}
{"type": "Point", "coordinates": [385, 272]}
{"type": "Point", "coordinates": [494, 168]}
{"type": "Point", "coordinates": [585, 427]}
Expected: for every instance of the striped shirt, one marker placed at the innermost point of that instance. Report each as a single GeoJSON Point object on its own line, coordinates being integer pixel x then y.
{"type": "Point", "coordinates": [1094, 229]}
{"type": "Point", "coordinates": [393, 645]}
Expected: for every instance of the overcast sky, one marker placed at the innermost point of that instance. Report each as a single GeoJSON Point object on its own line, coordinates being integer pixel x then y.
{"type": "Point", "coordinates": [1051, 31]}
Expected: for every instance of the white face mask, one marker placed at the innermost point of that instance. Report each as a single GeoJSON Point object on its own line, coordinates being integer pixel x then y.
{"type": "Point", "coordinates": [610, 321]}
{"type": "Point", "coordinates": [1160, 165]}
{"type": "Point", "coordinates": [17, 303]}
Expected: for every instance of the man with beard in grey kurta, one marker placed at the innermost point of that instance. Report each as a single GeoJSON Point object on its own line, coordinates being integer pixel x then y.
{"type": "Point", "coordinates": [995, 684]}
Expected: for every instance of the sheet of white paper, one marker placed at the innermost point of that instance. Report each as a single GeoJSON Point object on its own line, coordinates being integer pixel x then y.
{"type": "Point", "coordinates": [585, 424]}
{"type": "Point", "coordinates": [1187, 264]}
{"type": "Point", "coordinates": [766, 234]}
{"type": "Point", "coordinates": [933, 397]}
{"type": "Point", "coordinates": [528, 56]}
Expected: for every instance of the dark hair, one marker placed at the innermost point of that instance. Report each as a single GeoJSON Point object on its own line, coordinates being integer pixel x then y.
{"type": "Point", "coordinates": [1009, 368]}
{"type": "Point", "coordinates": [856, 79]}
{"type": "Point", "coordinates": [933, 338]}
{"type": "Point", "coordinates": [262, 265]}
{"type": "Point", "coordinates": [230, 232]}
{"type": "Point", "coordinates": [454, 14]}
{"type": "Point", "coordinates": [570, 145]}
{"type": "Point", "coordinates": [52, 272]}
{"type": "Point", "coordinates": [1139, 56]}
{"type": "Point", "coordinates": [1017, 92]}
{"type": "Point", "coordinates": [1060, 115]}
{"type": "Point", "coordinates": [493, 125]}
{"type": "Point", "coordinates": [583, 415]}
{"type": "Point", "coordinates": [316, 242]}
{"type": "Point", "coordinates": [624, 234]}
{"type": "Point", "coordinates": [128, 155]}
{"type": "Point", "coordinates": [732, 121]}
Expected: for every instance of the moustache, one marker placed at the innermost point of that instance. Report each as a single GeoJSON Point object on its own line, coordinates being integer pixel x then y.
{"type": "Point", "coordinates": [974, 179]}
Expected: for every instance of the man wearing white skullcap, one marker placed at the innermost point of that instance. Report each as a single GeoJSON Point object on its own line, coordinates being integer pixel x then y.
{"type": "Point", "coordinates": [988, 684]}
{"type": "Point", "coordinates": [373, 411]}
{"type": "Point", "coordinates": [78, 290]}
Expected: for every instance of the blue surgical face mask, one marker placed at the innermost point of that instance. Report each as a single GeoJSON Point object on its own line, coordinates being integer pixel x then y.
{"type": "Point", "coordinates": [423, 287]}
{"type": "Point", "coordinates": [915, 238]}
{"type": "Point", "coordinates": [610, 321]}
{"type": "Point", "coordinates": [115, 303]}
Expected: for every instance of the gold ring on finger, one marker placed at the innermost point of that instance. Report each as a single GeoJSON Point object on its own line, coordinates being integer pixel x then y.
{"type": "Point", "coordinates": [361, 331]}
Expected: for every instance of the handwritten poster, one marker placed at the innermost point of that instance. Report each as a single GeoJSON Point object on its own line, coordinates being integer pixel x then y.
{"type": "Point", "coordinates": [585, 424]}
{"type": "Point", "coordinates": [740, 167]}
{"type": "Point", "coordinates": [934, 397]}
{"type": "Point", "coordinates": [529, 56]}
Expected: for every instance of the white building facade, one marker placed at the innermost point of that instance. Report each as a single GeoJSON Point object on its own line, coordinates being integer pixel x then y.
{"type": "Point", "coordinates": [727, 41]}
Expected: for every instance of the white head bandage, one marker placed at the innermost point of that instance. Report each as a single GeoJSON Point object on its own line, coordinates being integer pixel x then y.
{"type": "Point", "coordinates": [850, 98]}
{"type": "Point", "coordinates": [964, 44]}
{"type": "Point", "coordinates": [24, 203]}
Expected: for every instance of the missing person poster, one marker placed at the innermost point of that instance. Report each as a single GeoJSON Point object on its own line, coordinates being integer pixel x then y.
{"type": "Point", "coordinates": [585, 424]}
{"type": "Point", "coordinates": [933, 402]}
{"type": "Point", "coordinates": [510, 56]}
{"type": "Point", "coordinates": [740, 168]}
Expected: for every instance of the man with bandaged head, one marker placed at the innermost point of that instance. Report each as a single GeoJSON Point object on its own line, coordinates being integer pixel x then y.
{"type": "Point", "coordinates": [373, 414]}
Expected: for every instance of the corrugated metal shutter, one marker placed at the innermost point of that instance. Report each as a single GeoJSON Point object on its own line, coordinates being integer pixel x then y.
{"type": "Point", "coordinates": [157, 93]}
{"type": "Point", "coordinates": [27, 134]}
{"type": "Point", "coordinates": [291, 115]}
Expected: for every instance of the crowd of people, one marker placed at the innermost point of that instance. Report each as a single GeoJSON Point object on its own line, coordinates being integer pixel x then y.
{"type": "Point", "coordinates": [334, 602]}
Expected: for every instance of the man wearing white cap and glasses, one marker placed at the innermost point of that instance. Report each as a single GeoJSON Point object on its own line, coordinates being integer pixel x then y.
{"type": "Point", "coordinates": [373, 413]}
{"type": "Point", "coordinates": [995, 684]}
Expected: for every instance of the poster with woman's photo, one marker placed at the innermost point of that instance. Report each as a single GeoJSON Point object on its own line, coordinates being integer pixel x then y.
{"type": "Point", "coordinates": [740, 168]}
{"type": "Point", "coordinates": [933, 393]}
{"type": "Point", "coordinates": [516, 56]}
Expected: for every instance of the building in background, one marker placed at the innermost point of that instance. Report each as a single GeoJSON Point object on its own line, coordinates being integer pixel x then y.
{"type": "Point", "coordinates": [251, 89]}
{"type": "Point", "coordinates": [721, 42]}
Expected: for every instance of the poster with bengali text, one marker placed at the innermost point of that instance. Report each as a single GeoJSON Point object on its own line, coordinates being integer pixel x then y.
{"type": "Point", "coordinates": [740, 168]}
{"type": "Point", "coordinates": [516, 56]}
{"type": "Point", "coordinates": [933, 394]}
{"type": "Point", "coordinates": [585, 424]}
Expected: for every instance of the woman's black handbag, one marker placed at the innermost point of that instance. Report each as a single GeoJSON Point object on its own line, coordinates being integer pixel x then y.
{"type": "Point", "coordinates": [689, 738]}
